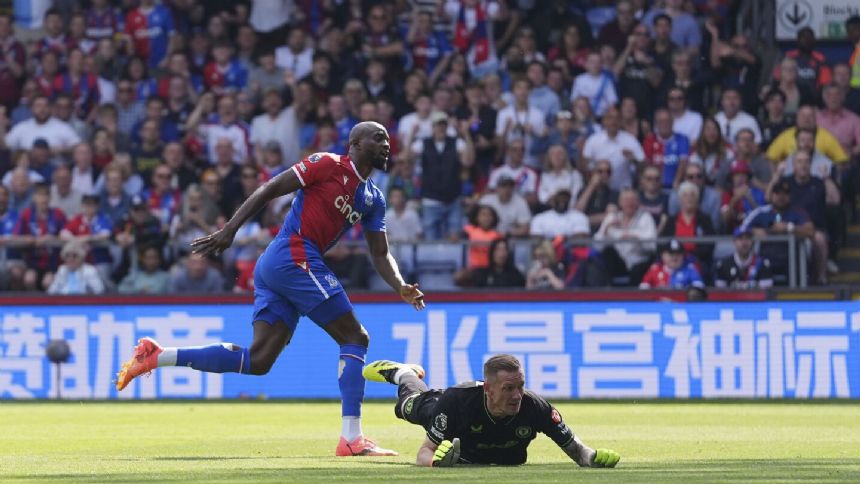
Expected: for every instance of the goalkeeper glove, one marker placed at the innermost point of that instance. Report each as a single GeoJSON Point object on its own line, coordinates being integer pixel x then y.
{"type": "Point", "coordinates": [447, 454]}
{"type": "Point", "coordinates": [605, 458]}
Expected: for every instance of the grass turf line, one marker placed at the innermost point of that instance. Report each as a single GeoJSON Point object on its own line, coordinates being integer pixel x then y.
{"type": "Point", "coordinates": [277, 442]}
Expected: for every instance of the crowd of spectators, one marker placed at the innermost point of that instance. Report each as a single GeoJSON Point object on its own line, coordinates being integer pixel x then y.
{"type": "Point", "coordinates": [589, 127]}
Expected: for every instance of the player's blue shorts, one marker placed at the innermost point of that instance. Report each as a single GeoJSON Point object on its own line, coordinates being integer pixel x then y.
{"type": "Point", "coordinates": [291, 280]}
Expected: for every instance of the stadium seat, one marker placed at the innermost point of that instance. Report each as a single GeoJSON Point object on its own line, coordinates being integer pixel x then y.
{"type": "Point", "coordinates": [443, 257]}
{"type": "Point", "coordinates": [437, 281]}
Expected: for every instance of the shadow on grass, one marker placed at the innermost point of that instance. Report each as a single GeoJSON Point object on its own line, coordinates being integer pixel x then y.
{"type": "Point", "coordinates": [724, 470]}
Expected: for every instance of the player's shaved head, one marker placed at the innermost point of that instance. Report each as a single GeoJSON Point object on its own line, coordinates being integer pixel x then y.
{"type": "Point", "coordinates": [363, 130]}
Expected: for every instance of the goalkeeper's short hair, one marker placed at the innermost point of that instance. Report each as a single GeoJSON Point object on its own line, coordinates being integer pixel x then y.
{"type": "Point", "coordinates": [499, 363]}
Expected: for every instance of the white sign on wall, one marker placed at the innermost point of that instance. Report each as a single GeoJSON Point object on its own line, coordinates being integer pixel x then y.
{"type": "Point", "coordinates": [825, 17]}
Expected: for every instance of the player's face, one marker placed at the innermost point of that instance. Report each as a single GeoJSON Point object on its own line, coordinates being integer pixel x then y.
{"type": "Point", "coordinates": [505, 393]}
{"type": "Point", "coordinates": [378, 147]}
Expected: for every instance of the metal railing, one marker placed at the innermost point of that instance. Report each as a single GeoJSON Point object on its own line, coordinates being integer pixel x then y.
{"type": "Point", "coordinates": [522, 247]}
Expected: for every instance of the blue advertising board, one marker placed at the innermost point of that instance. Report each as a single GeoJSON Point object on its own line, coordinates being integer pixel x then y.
{"type": "Point", "coordinates": [569, 350]}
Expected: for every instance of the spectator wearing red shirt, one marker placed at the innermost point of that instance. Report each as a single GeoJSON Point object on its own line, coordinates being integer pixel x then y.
{"type": "Point", "coordinates": [671, 271]}
{"type": "Point", "coordinates": [667, 150]}
{"type": "Point", "coordinates": [38, 227]}
{"type": "Point", "coordinates": [162, 199]}
{"type": "Point", "coordinates": [91, 226]}
{"type": "Point", "coordinates": [739, 198]}
{"type": "Point", "coordinates": [691, 222]}
{"type": "Point", "coordinates": [224, 74]}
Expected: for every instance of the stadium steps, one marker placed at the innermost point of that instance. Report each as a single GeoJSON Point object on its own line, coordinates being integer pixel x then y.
{"type": "Point", "coordinates": [849, 258]}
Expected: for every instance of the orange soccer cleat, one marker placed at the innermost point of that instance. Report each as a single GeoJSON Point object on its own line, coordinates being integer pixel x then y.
{"type": "Point", "coordinates": [144, 360]}
{"type": "Point", "coordinates": [361, 446]}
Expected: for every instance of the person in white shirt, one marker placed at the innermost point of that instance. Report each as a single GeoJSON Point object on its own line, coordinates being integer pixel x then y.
{"type": "Point", "coordinates": [64, 195]}
{"type": "Point", "coordinates": [227, 126]}
{"type": "Point", "coordinates": [295, 58]}
{"type": "Point", "coordinates": [558, 174]}
{"type": "Point", "coordinates": [520, 120]}
{"type": "Point", "coordinates": [513, 211]}
{"type": "Point", "coordinates": [402, 223]}
{"type": "Point", "coordinates": [594, 85]}
{"type": "Point", "coordinates": [620, 148]}
{"type": "Point", "coordinates": [624, 228]}
{"type": "Point", "coordinates": [560, 219]}
{"type": "Point", "coordinates": [526, 179]}
{"type": "Point", "coordinates": [276, 124]}
{"type": "Point", "coordinates": [417, 124]}
{"type": "Point", "coordinates": [74, 276]}
{"type": "Point", "coordinates": [731, 119]}
{"type": "Point", "coordinates": [59, 134]}
{"type": "Point", "coordinates": [684, 121]}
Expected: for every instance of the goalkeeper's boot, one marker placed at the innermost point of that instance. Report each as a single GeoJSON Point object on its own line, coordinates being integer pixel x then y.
{"type": "Point", "coordinates": [361, 446]}
{"type": "Point", "coordinates": [384, 371]}
{"type": "Point", "coordinates": [144, 360]}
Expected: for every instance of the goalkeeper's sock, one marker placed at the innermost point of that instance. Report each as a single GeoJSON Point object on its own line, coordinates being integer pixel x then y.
{"type": "Point", "coordinates": [217, 358]}
{"type": "Point", "coordinates": [351, 384]}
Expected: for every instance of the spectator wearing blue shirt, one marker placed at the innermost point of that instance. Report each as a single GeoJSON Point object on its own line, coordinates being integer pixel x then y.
{"type": "Point", "coordinates": [542, 96]}
{"type": "Point", "coordinates": [685, 28]}
{"type": "Point", "coordinates": [672, 271]}
{"type": "Point", "coordinates": [667, 150]}
{"type": "Point", "coordinates": [780, 218]}
{"type": "Point", "coordinates": [426, 48]}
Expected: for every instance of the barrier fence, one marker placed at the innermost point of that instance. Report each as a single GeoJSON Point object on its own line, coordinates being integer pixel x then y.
{"type": "Point", "coordinates": [612, 349]}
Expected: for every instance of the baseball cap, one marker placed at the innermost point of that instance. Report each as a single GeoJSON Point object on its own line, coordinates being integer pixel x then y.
{"type": "Point", "coordinates": [740, 166]}
{"type": "Point", "coordinates": [505, 180]}
{"type": "Point", "coordinates": [742, 231]}
{"type": "Point", "coordinates": [673, 246]}
{"type": "Point", "coordinates": [438, 117]}
{"type": "Point", "coordinates": [138, 202]}
{"type": "Point", "coordinates": [41, 143]}
{"type": "Point", "coordinates": [782, 186]}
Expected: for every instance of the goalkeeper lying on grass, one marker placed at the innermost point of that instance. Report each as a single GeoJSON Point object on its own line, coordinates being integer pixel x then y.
{"type": "Point", "coordinates": [489, 422]}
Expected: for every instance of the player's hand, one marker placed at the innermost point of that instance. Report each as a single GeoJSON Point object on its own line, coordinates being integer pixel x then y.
{"type": "Point", "coordinates": [412, 295]}
{"type": "Point", "coordinates": [214, 243]}
{"type": "Point", "coordinates": [447, 454]}
{"type": "Point", "coordinates": [605, 458]}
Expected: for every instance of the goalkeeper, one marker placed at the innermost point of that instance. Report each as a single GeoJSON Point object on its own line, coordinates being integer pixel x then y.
{"type": "Point", "coordinates": [489, 422]}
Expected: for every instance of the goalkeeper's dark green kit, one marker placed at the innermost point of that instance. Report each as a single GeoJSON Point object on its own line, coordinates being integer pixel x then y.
{"type": "Point", "coordinates": [461, 411]}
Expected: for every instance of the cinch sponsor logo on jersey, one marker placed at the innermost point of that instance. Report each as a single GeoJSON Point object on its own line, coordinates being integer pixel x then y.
{"type": "Point", "coordinates": [342, 203]}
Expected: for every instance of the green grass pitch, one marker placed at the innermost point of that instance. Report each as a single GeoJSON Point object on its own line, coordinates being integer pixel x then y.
{"type": "Point", "coordinates": [279, 442]}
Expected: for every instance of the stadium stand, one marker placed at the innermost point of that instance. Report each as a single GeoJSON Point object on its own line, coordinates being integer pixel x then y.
{"type": "Point", "coordinates": [139, 125]}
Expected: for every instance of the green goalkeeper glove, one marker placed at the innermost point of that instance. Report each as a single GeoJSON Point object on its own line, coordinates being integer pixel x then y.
{"type": "Point", "coordinates": [605, 458]}
{"type": "Point", "coordinates": [447, 454]}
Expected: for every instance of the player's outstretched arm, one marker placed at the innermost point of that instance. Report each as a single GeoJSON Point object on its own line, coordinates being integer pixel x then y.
{"type": "Point", "coordinates": [585, 456]}
{"type": "Point", "coordinates": [386, 266]}
{"type": "Point", "coordinates": [220, 240]}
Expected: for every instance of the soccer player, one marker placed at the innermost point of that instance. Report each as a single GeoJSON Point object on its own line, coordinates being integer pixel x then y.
{"type": "Point", "coordinates": [291, 279]}
{"type": "Point", "coordinates": [481, 422]}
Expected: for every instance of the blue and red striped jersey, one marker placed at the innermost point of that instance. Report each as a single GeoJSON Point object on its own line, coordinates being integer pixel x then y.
{"type": "Point", "coordinates": [150, 32]}
{"type": "Point", "coordinates": [333, 198]}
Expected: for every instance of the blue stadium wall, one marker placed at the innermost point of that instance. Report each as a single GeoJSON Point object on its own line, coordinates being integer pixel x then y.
{"type": "Point", "coordinates": [570, 349]}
